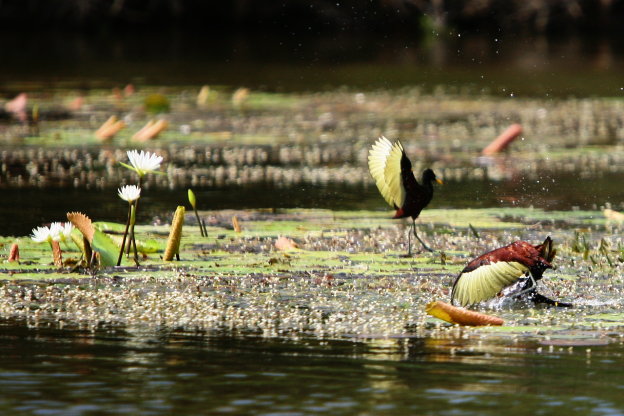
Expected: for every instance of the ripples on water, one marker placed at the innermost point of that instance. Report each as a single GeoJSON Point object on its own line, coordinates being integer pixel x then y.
{"type": "Point", "coordinates": [151, 372]}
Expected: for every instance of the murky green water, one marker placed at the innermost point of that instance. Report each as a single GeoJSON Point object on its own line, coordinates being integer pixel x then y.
{"type": "Point", "coordinates": [49, 371]}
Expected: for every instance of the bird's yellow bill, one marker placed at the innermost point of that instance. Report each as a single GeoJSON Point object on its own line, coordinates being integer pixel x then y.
{"type": "Point", "coordinates": [440, 181]}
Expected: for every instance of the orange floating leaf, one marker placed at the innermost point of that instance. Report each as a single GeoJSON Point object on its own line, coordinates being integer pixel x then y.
{"type": "Point", "coordinates": [240, 96]}
{"type": "Point", "coordinates": [56, 252]}
{"type": "Point", "coordinates": [461, 316]}
{"type": "Point", "coordinates": [285, 244]}
{"type": "Point", "coordinates": [83, 223]}
{"type": "Point", "coordinates": [14, 253]}
{"type": "Point", "coordinates": [503, 140]}
{"type": "Point", "coordinates": [235, 224]}
{"type": "Point", "coordinates": [110, 128]}
{"type": "Point", "coordinates": [150, 131]}
{"type": "Point", "coordinates": [613, 215]}
{"type": "Point", "coordinates": [175, 235]}
{"type": "Point", "coordinates": [202, 97]}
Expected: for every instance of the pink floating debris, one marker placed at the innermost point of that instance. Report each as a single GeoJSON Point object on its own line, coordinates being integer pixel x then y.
{"type": "Point", "coordinates": [128, 90]}
{"type": "Point", "coordinates": [76, 104]}
{"type": "Point", "coordinates": [17, 106]}
{"type": "Point", "coordinates": [503, 140]}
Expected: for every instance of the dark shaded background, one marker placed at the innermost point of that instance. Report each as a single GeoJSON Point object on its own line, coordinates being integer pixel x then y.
{"type": "Point", "coordinates": [557, 47]}
{"type": "Point", "coordinates": [315, 16]}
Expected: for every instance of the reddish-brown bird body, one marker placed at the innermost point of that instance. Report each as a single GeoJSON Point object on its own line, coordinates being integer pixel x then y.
{"type": "Point", "coordinates": [511, 270]}
{"type": "Point", "coordinates": [519, 251]}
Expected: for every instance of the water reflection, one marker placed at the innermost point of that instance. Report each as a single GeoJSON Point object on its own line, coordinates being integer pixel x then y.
{"type": "Point", "coordinates": [498, 64]}
{"type": "Point", "coordinates": [144, 371]}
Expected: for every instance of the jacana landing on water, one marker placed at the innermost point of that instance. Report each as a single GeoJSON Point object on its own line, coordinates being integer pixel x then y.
{"type": "Point", "coordinates": [510, 271]}
{"type": "Point", "coordinates": [392, 172]}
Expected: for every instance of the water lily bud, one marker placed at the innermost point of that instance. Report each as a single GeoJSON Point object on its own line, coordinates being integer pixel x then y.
{"type": "Point", "coordinates": [191, 198]}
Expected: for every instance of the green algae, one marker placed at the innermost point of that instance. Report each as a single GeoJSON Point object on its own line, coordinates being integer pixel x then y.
{"type": "Point", "coordinates": [349, 277]}
{"type": "Point", "coordinates": [327, 228]}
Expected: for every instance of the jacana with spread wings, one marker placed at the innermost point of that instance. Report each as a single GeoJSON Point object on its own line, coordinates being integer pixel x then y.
{"type": "Point", "coordinates": [489, 275]}
{"type": "Point", "coordinates": [392, 171]}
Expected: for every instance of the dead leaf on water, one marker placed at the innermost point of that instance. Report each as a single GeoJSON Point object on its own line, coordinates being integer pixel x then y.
{"type": "Point", "coordinates": [150, 131]}
{"type": "Point", "coordinates": [83, 223]}
{"type": "Point", "coordinates": [110, 128]}
{"type": "Point", "coordinates": [236, 224]}
{"type": "Point", "coordinates": [14, 253]}
{"type": "Point", "coordinates": [461, 316]}
{"type": "Point", "coordinates": [285, 244]}
{"type": "Point", "coordinates": [613, 215]}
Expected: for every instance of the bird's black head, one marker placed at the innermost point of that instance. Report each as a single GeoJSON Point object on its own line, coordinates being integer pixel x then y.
{"type": "Point", "coordinates": [428, 177]}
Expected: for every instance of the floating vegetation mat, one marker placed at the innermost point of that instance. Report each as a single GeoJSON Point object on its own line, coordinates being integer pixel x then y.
{"type": "Point", "coordinates": [345, 275]}
{"type": "Point", "coordinates": [315, 138]}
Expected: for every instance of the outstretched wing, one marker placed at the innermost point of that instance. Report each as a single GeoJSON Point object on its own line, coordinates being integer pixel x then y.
{"type": "Point", "coordinates": [384, 164]}
{"type": "Point", "coordinates": [485, 282]}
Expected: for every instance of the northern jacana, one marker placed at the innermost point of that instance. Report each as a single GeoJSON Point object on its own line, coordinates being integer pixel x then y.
{"type": "Point", "coordinates": [510, 271]}
{"type": "Point", "coordinates": [392, 171]}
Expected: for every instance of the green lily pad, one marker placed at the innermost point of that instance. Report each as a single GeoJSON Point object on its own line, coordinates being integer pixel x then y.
{"type": "Point", "coordinates": [106, 248]}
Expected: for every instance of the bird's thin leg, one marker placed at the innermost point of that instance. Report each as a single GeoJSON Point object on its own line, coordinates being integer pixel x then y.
{"type": "Point", "coordinates": [537, 298]}
{"type": "Point", "coordinates": [425, 246]}
{"type": "Point", "coordinates": [529, 285]}
{"type": "Point", "coordinates": [409, 242]}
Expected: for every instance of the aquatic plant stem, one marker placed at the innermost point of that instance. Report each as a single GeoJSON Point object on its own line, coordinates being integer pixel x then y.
{"type": "Point", "coordinates": [132, 241]}
{"type": "Point", "coordinates": [123, 241]}
{"type": "Point", "coordinates": [202, 231]}
{"type": "Point", "coordinates": [193, 201]}
{"type": "Point", "coordinates": [132, 222]}
{"type": "Point", "coordinates": [56, 252]}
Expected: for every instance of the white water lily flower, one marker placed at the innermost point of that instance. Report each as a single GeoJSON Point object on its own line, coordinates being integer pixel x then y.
{"type": "Point", "coordinates": [61, 231]}
{"type": "Point", "coordinates": [41, 235]}
{"type": "Point", "coordinates": [129, 193]}
{"type": "Point", "coordinates": [66, 231]}
{"type": "Point", "coordinates": [56, 231]}
{"type": "Point", "coordinates": [144, 162]}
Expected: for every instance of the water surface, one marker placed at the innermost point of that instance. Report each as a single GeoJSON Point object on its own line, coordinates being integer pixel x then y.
{"type": "Point", "coordinates": [161, 372]}
{"type": "Point", "coordinates": [30, 207]}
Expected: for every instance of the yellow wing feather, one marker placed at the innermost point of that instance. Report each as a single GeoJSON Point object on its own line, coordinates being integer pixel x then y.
{"type": "Point", "coordinates": [486, 282]}
{"type": "Point", "coordinates": [384, 164]}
